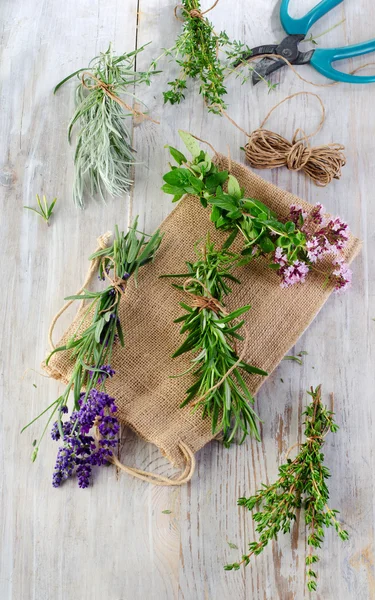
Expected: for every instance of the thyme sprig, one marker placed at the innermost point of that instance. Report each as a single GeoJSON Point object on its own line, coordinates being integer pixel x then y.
{"type": "Point", "coordinates": [91, 345]}
{"type": "Point", "coordinates": [212, 332]}
{"type": "Point", "coordinates": [206, 56]}
{"type": "Point", "coordinates": [293, 247]}
{"type": "Point", "coordinates": [301, 485]}
{"type": "Point", "coordinates": [104, 154]}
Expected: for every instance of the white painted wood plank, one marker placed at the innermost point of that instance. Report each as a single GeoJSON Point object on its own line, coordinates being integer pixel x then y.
{"type": "Point", "coordinates": [113, 540]}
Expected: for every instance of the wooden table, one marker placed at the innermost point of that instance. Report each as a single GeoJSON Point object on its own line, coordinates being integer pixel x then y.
{"type": "Point", "coordinates": [114, 539]}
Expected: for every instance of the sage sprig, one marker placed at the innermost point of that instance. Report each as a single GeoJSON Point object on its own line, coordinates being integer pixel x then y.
{"type": "Point", "coordinates": [90, 350]}
{"type": "Point", "coordinates": [206, 56]}
{"type": "Point", "coordinates": [293, 247]}
{"type": "Point", "coordinates": [220, 389]}
{"type": "Point", "coordinates": [301, 486]}
{"type": "Point", "coordinates": [104, 154]}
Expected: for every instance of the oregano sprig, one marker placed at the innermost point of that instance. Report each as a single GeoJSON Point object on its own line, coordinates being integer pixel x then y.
{"type": "Point", "coordinates": [90, 350]}
{"type": "Point", "coordinates": [220, 389]}
{"type": "Point", "coordinates": [301, 486]}
{"type": "Point", "coordinates": [293, 247]}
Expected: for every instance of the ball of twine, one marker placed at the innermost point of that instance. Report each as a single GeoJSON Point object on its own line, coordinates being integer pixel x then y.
{"type": "Point", "coordinates": [267, 150]}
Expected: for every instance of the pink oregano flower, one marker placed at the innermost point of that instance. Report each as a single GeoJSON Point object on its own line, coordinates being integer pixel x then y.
{"type": "Point", "coordinates": [322, 237]}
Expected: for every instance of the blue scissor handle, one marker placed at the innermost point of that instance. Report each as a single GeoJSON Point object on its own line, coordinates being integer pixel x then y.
{"type": "Point", "coordinates": [322, 60]}
{"type": "Point", "coordinates": [302, 26]}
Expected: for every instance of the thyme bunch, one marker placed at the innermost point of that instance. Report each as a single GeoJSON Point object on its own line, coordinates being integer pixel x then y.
{"type": "Point", "coordinates": [90, 348]}
{"type": "Point", "coordinates": [293, 247]}
{"type": "Point", "coordinates": [301, 486]}
{"type": "Point", "coordinates": [206, 56]}
{"type": "Point", "coordinates": [104, 154]}
{"type": "Point", "coordinates": [212, 332]}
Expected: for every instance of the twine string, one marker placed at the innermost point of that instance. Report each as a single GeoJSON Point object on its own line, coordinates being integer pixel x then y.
{"type": "Point", "coordinates": [108, 90]}
{"type": "Point", "coordinates": [155, 478]}
{"type": "Point", "coordinates": [267, 150]}
{"type": "Point", "coordinates": [313, 437]}
{"type": "Point", "coordinates": [194, 13]}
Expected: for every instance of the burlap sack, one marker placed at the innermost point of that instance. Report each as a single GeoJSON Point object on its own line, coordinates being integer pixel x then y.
{"type": "Point", "coordinates": [147, 398]}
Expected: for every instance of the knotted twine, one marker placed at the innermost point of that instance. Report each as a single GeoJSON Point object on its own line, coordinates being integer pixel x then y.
{"type": "Point", "coordinates": [268, 150]}
{"type": "Point", "coordinates": [117, 284]}
{"type": "Point", "coordinates": [108, 90]}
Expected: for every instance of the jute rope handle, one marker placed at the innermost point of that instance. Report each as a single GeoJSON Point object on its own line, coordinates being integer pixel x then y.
{"type": "Point", "coordinates": [107, 90]}
{"type": "Point", "coordinates": [103, 241]}
{"type": "Point", "coordinates": [187, 453]}
{"type": "Point", "coordinates": [194, 13]}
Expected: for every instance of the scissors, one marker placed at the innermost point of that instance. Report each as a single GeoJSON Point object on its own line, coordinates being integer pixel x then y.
{"type": "Point", "coordinates": [321, 59]}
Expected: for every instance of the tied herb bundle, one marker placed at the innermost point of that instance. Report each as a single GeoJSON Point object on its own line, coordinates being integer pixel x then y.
{"type": "Point", "coordinates": [104, 155]}
{"type": "Point", "coordinates": [90, 348]}
{"type": "Point", "coordinates": [301, 485]}
{"type": "Point", "coordinates": [212, 333]}
{"type": "Point", "coordinates": [204, 55]}
{"type": "Point", "coordinates": [294, 247]}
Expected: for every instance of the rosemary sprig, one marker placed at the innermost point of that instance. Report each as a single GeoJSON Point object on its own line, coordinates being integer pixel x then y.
{"type": "Point", "coordinates": [104, 154]}
{"type": "Point", "coordinates": [91, 345]}
{"type": "Point", "coordinates": [206, 56]}
{"type": "Point", "coordinates": [44, 209]}
{"type": "Point", "coordinates": [219, 389]}
{"type": "Point", "coordinates": [301, 485]}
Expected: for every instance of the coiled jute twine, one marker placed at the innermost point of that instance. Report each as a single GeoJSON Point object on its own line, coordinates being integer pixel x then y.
{"type": "Point", "coordinates": [268, 150]}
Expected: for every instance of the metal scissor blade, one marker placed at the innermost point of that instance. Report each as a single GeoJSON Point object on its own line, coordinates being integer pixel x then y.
{"type": "Point", "coordinates": [265, 67]}
{"type": "Point", "coordinates": [257, 51]}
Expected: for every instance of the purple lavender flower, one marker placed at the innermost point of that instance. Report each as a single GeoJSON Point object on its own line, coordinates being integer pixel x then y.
{"type": "Point", "coordinates": [80, 452]}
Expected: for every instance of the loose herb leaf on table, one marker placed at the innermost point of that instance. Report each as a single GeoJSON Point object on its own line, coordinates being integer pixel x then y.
{"type": "Point", "coordinates": [90, 350]}
{"type": "Point", "coordinates": [220, 389]}
{"type": "Point", "coordinates": [294, 247]}
{"type": "Point", "coordinates": [104, 153]}
{"type": "Point", "coordinates": [301, 486]}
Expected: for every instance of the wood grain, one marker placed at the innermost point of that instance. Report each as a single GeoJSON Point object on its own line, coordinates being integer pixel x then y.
{"type": "Point", "coordinates": [113, 539]}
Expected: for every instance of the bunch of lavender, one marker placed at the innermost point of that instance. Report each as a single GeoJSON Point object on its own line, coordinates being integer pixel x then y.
{"type": "Point", "coordinates": [212, 332]}
{"type": "Point", "coordinates": [293, 247]}
{"type": "Point", "coordinates": [206, 56]}
{"type": "Point", "coordinates": [104, 154]}
{"type": "Point", "coordinates": [91, 350]}
{"type": "Point", "coordinates": [301, 485]}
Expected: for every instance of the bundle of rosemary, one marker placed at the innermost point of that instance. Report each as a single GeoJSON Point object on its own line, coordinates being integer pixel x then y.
{"type": "Point", "coordinates": [90, 347]}
{"type": "Point", "coordinates": [104, 154]}
{"type": "Point", "coordinates": [301, 485]}
{"type": "Point", "coordinates": [206, 56]}
{"type": "Point", "coordinates": [293, 247]}
{"type": "Point", "coordinates": [220, 389]}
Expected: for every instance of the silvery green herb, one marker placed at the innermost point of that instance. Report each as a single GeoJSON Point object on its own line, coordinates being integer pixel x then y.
{"type": "Point", "coordinates": [219, 388]}
{"type": "Point", "coordinates": [293, 247]}
{"type": "Point", "coordinates": [104, 154]}
{"type": "Point", "coordinates": [301, 486]}
{"type": "Point", "coordinates": [90, 349]}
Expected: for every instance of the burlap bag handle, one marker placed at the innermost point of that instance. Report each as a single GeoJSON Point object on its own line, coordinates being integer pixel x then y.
{"type": "Point", "coordinates": [188, 455]}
